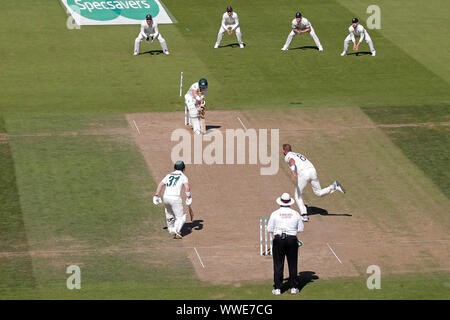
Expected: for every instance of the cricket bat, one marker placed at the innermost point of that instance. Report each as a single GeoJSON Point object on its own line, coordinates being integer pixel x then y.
{"type": "Point", "coordinates": [203, 124]}
{"type": "Point", "coordinates": [191, 213]}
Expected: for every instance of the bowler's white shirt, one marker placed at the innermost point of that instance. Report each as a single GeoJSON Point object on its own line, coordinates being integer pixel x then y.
{"type": "Point", "coordinates": [230, 21]}
{"type": "Point", "coordinates": [304, 24]}
{"type": "Point", "coordinates": [147, 30]}
{"type": "Point", "coordinates": [301, 162]}
{"type": "Point", "coordinates": [194, 87]}
{"type": "Point", "coordinates": [285, 220]}
{"type": "Point", "coordinates": [174, 182]}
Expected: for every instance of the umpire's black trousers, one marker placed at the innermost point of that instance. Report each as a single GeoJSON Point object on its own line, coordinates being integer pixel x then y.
{"type": "Point", "coordinates": [287, 247]}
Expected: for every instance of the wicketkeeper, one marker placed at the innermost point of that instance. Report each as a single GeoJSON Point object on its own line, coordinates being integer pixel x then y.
{"type": "Point", "coordinates": [149, 32]}
{"type": "Point", "coordinates": [195, 103]}
{"type": "Point", "coordinates": [230, 23]}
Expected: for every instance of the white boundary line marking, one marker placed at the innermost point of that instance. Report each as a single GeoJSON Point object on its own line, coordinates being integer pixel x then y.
{"type": "Point", "coordinates": [242, 123]}
{"type": "Point", "coordinates": [135, 124]}
{"type": "Point", "coordinates": [334, 253]}
{"type": "Point", "coordinates": [200, 259]}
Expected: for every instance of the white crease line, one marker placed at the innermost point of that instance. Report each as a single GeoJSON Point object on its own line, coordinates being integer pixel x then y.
{"type": "Point", "coordinates": [334, 254]}
{"type": "Point", "coordinates": [200, 259]}
{"type": "Point", "coordinates": [413, 241]}
{"type": "Point", "coordinates": [136, 127]}
{"type": "Point", "coordinates": [242, 123]}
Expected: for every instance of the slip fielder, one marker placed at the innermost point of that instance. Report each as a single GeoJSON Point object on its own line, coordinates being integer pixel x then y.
{"type": "Point", "coordinates": [301, 25]}
{"type": "Point", "coordinates": [304, 172]}
{"type": "Point", "coordinates": [173, 203]}
{"type": "Point", "coordinates": [149, 30]}
{"type": "Point", "coordinates": [230, 23]}
{"type": "Point", "coordinates": [195, 103]}
{"type": "Point", "coordinates": [357, 29]}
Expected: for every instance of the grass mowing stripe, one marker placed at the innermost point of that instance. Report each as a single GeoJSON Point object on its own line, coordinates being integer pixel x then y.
{"type": "Point", "coordinates": [426, 147]}
{"type": "Point", "coordinates": [402, 287]}
{"type": "Point", "coordinates": [265, 77]}
{"type": "Point", "coordinates": [88, 192]}
{"type": "Point", "coordinates": [396, 18]}
{"type": "Point", "coordinates": [14, 273]}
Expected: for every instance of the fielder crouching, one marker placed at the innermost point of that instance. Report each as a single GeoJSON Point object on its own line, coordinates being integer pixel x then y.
{"type": "Point", "coordinates": [195, 102]}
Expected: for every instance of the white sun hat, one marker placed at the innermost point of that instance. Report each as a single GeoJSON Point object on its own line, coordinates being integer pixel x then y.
{"type": "Point", "coordinates": [285, 200]}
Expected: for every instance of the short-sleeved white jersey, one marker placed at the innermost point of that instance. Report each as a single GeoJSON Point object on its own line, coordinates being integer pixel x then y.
{"type": "Point", "coordinates": [301, 162]}
{"type": "Point", "coordinates": [302, 25]}
{"type": "Point", "coordinates": [174, 182]}
{"type": "Point", "coordinates": [194, 87]}
{"type": "Point", "coordinates": [285, 220]}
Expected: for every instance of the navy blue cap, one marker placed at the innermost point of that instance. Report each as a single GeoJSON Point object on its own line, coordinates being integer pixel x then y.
{"type": "Point", "coordinates": [229, 9]}
{"type": "Point", "coordinates": [355, 20]}
{"type": "Point", "coordinates": [148, 17]}
{"type": "Point", "coordinates": [298, 15]}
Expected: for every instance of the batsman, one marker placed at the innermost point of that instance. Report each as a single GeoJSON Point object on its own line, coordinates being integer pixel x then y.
{"type": "Point", "coordinates": [173, 203]}
{"type": "Point", "coordinates": [196, 105]}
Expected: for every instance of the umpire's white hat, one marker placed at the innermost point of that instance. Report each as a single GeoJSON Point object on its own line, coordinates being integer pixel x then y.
{"type": "Point", "coordinates": [285, 200]}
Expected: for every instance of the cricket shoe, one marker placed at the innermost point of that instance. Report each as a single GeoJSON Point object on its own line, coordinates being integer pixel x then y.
{"type": "Point", "coordinates": [276, 292]}
{"type": "Point", "coordinates": [178, 236]}
{"type": "Point", "coordinates": [136, 53]}
{"type": "Point", "coordinates": [216, 46]}
{"type": "Point", "coordinates": [294, 291]}
{"type": "Point", "coordinates": [338, 186]}
{"type": "Point", "coordinates": [166, 52]}
{"type": "Point", "coordinates": [305, 218]}
{"type": "Point", "coordinates": [320, 48]}
{"type": "Point", "coordinates": [241, 45]}
{"type": "Point", "coordinates": [374, 53]}
{"type": "Point", "coordinates": [343, 53]}
{"type": "Point", "coordinates": [284, 49]}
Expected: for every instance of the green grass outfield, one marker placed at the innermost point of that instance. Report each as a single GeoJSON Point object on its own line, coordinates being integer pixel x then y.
{"type": "Point", "coordinates": [71, 180]}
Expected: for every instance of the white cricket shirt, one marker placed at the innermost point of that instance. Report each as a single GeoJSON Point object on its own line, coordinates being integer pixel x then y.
{"type": "Point", "coordinates": [301, 162]}
{"type": "Point", "coordinates": [230, 21]}
{"type": "Point", "coordinates": [147, 30]}
{"type": "Point", "coordinates": [285, 220]}
{"type": "Point", "coordinates": [174, 181]}
{"type": "Point", "coordinates": [194, 87]}
{"type": "Point", "coordinates": [359, 31]}
{"type": "Point", "coordinates": [304, 24]}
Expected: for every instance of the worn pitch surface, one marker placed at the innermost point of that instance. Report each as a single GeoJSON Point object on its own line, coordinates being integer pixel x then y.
{"type": "Point", "coordinates": [392, 215]}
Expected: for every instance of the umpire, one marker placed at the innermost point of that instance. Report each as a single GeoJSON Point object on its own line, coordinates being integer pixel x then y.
{"type": "Point", "coordinates": [284, 223]}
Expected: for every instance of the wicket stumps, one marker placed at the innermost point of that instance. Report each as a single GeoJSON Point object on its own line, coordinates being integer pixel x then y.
{"type": "Point", "coordinates": [266, 236]}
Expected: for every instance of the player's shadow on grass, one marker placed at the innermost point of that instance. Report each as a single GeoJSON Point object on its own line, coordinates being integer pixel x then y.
{"type": "Point", "coordinates": [360, 53]}
{"type": "Point", "coordinates": [315, 210]}
{"type": "Point", "coordinates": [189, 226]}
{"type": "Point", "coordinates": [153, 52]}
{"type": "Point", "coordinates": [231, 45]}
{"type": "Point", "coordinates": [303, 278]}
{"type": "Point", "coordinates": [305, 48]}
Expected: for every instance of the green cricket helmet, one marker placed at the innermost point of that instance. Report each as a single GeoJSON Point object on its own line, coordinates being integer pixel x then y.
{"type": "Point", "coordinates": [203, 83]}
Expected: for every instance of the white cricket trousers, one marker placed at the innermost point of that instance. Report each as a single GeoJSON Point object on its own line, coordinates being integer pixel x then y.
{"type": "Point", "coordinates": [175, 216]}
{"type": "Point", "coordinates": [194, 116]}
{"type": "Point", "coordinates": [140, 37]}
{"type": "Point", "coordinates": [303, 178]}
{"type": "Point", "coordinates": [222, 31]}
{"type": "Point", "coordinates": [366, 37]}
{"type": "Point", "coordinates": [312, 33]}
